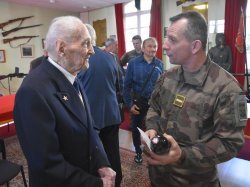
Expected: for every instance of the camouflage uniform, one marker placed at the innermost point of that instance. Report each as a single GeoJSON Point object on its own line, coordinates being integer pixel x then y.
{"type": "Point", "coordinates": [128, 56]}
{"type": "Point", "coordinates": [205, 112]}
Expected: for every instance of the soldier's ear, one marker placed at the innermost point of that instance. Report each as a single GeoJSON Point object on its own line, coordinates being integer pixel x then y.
{"type": "Point", "coordinates": [196, 46]}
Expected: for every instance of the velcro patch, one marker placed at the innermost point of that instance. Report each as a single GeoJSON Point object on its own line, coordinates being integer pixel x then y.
{"type": "Point", "coordinates": [242, 108]}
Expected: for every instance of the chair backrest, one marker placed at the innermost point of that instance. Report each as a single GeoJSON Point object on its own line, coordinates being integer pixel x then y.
{"type": "Point", "coordinates": [2, 149]}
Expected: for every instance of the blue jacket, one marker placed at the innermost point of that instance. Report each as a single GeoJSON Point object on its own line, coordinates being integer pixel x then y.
{"type": "Point", "coordinates": [58, 140]}
{"type": "Point", "coordinates": [137, 72]}
{"type": "Point", "coordinates": [99, 82]}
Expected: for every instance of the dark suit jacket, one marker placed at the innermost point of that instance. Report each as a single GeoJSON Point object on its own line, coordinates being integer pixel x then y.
{"type": "Point", "coordinates": [99, 82]}
{"type": "Point", "coordinates": [36, 62]}
{"type": "Point", "coordinates": [58, 140]}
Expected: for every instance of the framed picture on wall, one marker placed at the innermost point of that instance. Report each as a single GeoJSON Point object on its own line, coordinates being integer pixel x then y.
{"type": "Point", "coordinates": [2, 56]}
{"type": "Point", "coordinates": [27, 51]}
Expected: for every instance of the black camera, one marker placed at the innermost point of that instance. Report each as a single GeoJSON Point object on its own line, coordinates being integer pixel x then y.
{"type": "Point", "coordinates": [137, 101]}
{"type": "Point", "coordinates": [159, 144]}
{"type": "Point", "coordinates": [141, 103]}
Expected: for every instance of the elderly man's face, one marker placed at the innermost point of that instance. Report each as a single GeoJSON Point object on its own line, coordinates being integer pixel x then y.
{"type": "Point", "coordinates": [77, 53]}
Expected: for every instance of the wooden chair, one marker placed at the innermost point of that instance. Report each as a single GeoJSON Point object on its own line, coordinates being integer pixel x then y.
{"type": "Point", "coordinates": [8, 169]}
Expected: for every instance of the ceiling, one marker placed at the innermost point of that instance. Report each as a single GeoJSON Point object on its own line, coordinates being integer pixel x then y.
{"type": "Point", "coordinates": [70, 5]}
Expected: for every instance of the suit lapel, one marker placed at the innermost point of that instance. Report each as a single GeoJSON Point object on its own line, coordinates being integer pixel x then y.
{"type": "Point", "coordinates": [67, 94]}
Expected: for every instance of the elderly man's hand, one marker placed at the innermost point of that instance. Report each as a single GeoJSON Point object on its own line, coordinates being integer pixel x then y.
{"type": "Point", "coordinates": [107, 176]}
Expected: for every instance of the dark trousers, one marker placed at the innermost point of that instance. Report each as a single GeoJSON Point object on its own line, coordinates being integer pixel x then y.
{"type": "Point", "coordinates": [110, 140]}
{"type": "Point", "coordinates": [137, 121]}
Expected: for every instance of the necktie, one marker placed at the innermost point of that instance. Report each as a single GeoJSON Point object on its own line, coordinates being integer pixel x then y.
{"type": "Point", "coordinates": [76, 86]}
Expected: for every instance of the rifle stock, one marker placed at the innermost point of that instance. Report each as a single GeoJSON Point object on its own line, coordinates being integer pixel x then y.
{"type": "Point", "coordinates": [7, 40]}
{"type": "Point", "coordinates": [2, 25]}
{"type": "Point", "coordinates": [17, 29]}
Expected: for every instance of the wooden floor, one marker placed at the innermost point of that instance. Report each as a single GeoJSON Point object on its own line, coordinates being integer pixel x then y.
{"type": "Point", "coordinates": [233, 173]}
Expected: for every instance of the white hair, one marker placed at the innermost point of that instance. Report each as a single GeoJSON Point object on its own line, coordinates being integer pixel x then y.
{"type": "Point", "coordinates": [64, 28]}
{"type": "Point", "coordinates": [92, 33]}
{"type": "Point", "coordinates": [109, 42]}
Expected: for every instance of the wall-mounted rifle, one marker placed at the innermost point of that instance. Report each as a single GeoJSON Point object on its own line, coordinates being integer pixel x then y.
{"type": "Point", "coordinates": [18, 28]}
{"type": "Point", "coordinates": [8, 40]}
{"type": "Point", "coordinates": [2, 25]}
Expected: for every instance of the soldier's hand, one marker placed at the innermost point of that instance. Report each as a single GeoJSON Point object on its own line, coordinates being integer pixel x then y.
{"type": "Point", "coordinates": [172, 156]}
{"type": "Point", "coordinates": [151, 133]}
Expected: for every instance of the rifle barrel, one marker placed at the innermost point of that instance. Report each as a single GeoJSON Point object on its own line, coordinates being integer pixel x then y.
{"type": "Point", "coordinates": [18, 28]}
{"type": "Point", "coordinates": [2, 25]}
{"type": "Point", "coordinates": [7, 40]}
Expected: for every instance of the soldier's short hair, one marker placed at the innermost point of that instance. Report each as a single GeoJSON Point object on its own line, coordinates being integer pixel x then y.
{"type": "Point", "coordinates": [196, 27]}
{"type": "Point", "coordinates": [137, 37]}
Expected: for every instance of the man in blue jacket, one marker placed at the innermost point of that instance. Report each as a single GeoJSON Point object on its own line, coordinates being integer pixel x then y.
{"type": "Point", "coordinates": [99, 82]}
{"type": "Point", "coordinates": [141, 76]}
{"type": "Point", "coordinates": [52, 118]}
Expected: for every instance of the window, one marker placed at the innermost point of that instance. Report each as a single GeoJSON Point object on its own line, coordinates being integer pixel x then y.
{"type": "Point", "coordinates": [216, 26]}
{"type": "Point", "coordinates": [136, 21]}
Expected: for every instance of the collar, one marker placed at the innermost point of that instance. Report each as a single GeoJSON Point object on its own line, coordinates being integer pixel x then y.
{"type": "Point", "coordinates": [69, 76]}
{"type": "Point", "coordinates": [145, 61]}
{"type": "Point", "coordinates": [195, 78]}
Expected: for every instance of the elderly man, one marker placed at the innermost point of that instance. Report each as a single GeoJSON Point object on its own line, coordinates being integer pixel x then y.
{"type": "Point", "coordinates": [53, 118]}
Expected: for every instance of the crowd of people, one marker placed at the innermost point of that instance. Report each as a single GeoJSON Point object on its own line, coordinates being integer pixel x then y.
{"type": "Point", "coordinates": [67, 110]}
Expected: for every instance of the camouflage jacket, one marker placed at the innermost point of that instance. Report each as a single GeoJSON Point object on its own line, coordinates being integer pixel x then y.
{"type": "Point", "coordinates": [128, 56]}
{"type": "Point", "coordinates": [205, 112]}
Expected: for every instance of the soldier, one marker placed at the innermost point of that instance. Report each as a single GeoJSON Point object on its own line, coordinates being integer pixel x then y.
{"type": "Point", "coordinates": [136, 40]}
{"type": "Point", "coordinates": [199, 108]}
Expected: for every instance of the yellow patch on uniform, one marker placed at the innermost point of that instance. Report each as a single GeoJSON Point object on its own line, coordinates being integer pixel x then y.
{"type": "Point", "coordinates": [179, 100]}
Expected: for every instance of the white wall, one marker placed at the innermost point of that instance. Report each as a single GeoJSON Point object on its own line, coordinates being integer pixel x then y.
{"type": "Point", "coordinates": [13, 56]}
{"type": "Point", "coordinates": [107, 13]}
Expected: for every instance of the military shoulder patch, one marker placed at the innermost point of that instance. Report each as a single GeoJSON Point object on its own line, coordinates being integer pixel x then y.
{"type": "Point", "coordinates": [242, 108]}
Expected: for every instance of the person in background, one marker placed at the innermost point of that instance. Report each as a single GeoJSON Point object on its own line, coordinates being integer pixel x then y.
{"type": "Point", "coordinates": [52, 115]}
{"type": "Point", "coordinates": [221, 53]}
{"type": "Point", "coordinates": [99, 82]}
{"type": "Point", "coordinates": [141, 76]}
{"type": "Point", "coordinates": [111, 47]}
{"type": "Point", "coordinates": [199, 108]}
{"type": "Point", "coordinates": [137, 51]}
{"type": "Point", "coordinates": [37, 61]}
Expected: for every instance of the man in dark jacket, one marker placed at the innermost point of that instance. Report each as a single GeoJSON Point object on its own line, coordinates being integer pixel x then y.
{"type": "Point", "coordinates": [52, 118]}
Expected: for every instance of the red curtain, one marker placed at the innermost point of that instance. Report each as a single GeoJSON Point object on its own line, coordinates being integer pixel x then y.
{"type": "Point", "coordinates": [120, 29]}
{"type": "Point", "coordinates": [155, 25]}
{"type": "Point", "coordinates": [232, 20]}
